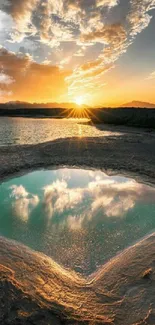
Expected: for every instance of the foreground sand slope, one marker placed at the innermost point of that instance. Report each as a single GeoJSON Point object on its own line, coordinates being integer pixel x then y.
{"type": "Point", "coordinates": [36, 290]}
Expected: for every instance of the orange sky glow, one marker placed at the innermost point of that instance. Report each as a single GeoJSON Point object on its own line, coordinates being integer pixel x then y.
{"type": "Point", "coordinates": [93, 52]}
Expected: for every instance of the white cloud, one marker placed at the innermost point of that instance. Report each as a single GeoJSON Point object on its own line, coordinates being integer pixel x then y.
{"type": "Point", "coordinates": [106, 197]}
{"type": "Point", "coordinates": [108, 3]}
{"type": "Point", "coordinates": [21, 12]}
{"type": "Point", "coordinates": [5, 79]}
{"type": "Point", "coordinates": [138, 16]}
{"type": "Point", "coordinates": [79, 26]}
{"type": "Point", "coordinates": [151, 76]}
{"type": "Point", "coordinates": [18, 191]}
{"type": "Point", "coordinates": [58, 198]}
{"type": "Point", "coordinates": [23, 202]}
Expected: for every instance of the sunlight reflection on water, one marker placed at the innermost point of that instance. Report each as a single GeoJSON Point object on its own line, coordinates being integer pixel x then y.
{"type": "Point", "coordinates": [31, 131]}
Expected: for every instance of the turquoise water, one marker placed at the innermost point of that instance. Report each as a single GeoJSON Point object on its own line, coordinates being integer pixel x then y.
{"type": "Point", "coordinates": [80, 218]}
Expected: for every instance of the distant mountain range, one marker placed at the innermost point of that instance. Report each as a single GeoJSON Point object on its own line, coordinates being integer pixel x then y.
{"type": "Point", "coordinates": [136, 113]}
{"type": "Point", "coordinates": [49, 110]}
{"type": "Point", "coordinates": [26, 105]}
{"type": "Point", "coordinates": [138, 104]}
{"type": "Point", "coordinates": [18, 104]}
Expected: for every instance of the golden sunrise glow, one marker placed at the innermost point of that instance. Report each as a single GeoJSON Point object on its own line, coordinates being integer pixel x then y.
{"type": "Point", "coordinates": [79, 100]}
{"type": "Point", "coordinates": [74, 60]}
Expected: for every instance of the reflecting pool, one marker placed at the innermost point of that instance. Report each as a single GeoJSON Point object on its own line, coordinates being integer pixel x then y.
{"type": "Point", "coordinates": [80, 218]}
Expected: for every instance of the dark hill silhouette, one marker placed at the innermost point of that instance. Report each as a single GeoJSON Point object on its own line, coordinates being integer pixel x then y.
{"type": "Point", "coordinates": [139, 104]}
{"type": "Point", "coordinates": [55, 110]}
{"type": "Point", "coordinates": [130, 116]}
{"type": "Point", "coordinates": [19, 104]}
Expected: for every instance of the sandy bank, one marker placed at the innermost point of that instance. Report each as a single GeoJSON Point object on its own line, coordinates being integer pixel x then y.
{"type": "Point", "coordinates": [131, 153]}
{"type": "Point", "coordinates": [36, 290]}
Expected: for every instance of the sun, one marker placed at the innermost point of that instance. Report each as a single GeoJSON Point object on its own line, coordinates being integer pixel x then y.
{"type": "Point", "coordinates": [79, 100]}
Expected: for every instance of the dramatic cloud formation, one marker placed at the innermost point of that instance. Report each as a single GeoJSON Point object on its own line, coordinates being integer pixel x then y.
{"type": "Point", "coordinates": [21, 12]}
{"type": "Point", "coordinates": [103, 197]}
{"type": "Point", "coordinates": [106, 197]}
{"type": "Point", "coordinates": [21, 9]}
{"type": "Point", "coordinates": [138, 16]}
{"type": "Point", "coordinates": [86, 37]}
{"type": "Point", "coordinates": [28, 79]}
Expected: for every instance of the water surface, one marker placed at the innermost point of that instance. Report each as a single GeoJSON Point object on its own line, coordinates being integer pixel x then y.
{"type": "Point", "coordinates": [80, 218]}
{"type": "Point", "coordinates": [32, 131]}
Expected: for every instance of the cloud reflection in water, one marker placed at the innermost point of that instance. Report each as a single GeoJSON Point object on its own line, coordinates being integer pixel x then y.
{"type": "Point", "coordinates": [108, 196]}
{"type": "Point", "coordinates": [23, 202]}
{"type": "Point", "coordinates": [79, 218]}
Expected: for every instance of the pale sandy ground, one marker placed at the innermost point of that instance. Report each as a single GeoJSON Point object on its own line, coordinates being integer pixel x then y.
{"type": "Point", "coordinates": [35, 290]}
{"type": "Point", "coordinates": [132, 153]}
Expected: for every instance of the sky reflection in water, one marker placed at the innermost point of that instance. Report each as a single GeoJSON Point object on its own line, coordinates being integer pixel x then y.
{"type": "Point", "coordinates": [80, 218]}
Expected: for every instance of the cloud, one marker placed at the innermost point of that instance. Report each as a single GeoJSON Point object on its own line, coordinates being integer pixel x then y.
{"type": "Point", "coordinates": [106, 197]}
{"type": "Point", "coordinates": [6, 24]}
{"type": "Point", "coordinates": [55, 21]}
{"type": "Point", "coordinates": [21, 12]}
{"type": "Point", "coordinates": [115, 37]}
{"type": "Point", "coordinates": [23, 202]}
{"type": "Point", "coordinates": [18, 192]}
{"type": "Point", "coordinates": [5, 79]}
{"type": "Point", "coordinates": [101, 197]}
{"type": "Point", "coordinates": [151, 76]}
{"type": "Point", "coordinates": [58, 198]}
{"type": "Point", "coordinates": [32, 80]}
{"type": "Point", "coordinates": [75, 223]}
{"type": "Point", "coordinates": [115, 198]}
{"type": "Point", "coordinates": [138, 16]}
{"type": "Point", "coordinates": [113, 34]}
{"type": "Point", "coordinates": [91, 65]}
{"type": "Point", "coordinates": [107, 3]}
{"type": "Point", "coordinates": [75, 29]}
{"type": "Point", "coordinates": [21, 9]}
{"type": "Point", "coordinates": [86, 76]}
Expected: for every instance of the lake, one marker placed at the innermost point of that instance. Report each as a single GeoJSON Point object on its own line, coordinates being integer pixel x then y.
{"type": "Point", "coordinates": [80, 218]}
{"type": "Point", "coordinates": [31, 131]}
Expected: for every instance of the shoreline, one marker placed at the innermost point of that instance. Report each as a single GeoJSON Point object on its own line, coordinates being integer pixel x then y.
{"type": "Point", "coordinates": [131, 153]}
{"type": "Point", "coordinates": [35, 289]}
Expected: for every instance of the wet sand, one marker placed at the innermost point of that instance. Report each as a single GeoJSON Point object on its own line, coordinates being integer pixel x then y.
{"type": "Point", "coordinates": [36, 290]}
{"type": "Point", "coordinates": [131, 152]}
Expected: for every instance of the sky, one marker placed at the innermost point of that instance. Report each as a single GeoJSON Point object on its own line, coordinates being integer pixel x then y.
{"type": "Point", "coordinates": [96, 52]}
